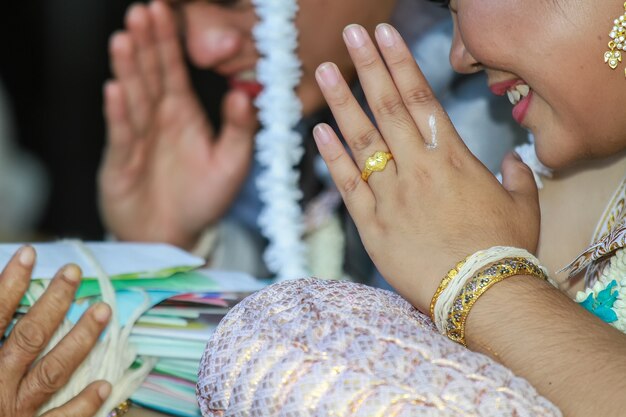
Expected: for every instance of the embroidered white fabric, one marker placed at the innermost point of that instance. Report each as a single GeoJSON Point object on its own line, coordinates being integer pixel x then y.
{"type": "Point", "coordinates": [320, 348]}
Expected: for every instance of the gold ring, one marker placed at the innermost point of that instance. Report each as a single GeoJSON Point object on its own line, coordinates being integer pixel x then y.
{"type": "Point", "coordinates": [375, 163]}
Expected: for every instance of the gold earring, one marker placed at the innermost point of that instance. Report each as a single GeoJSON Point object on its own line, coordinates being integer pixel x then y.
{"type": "Point", "coordinates": [618, 42]}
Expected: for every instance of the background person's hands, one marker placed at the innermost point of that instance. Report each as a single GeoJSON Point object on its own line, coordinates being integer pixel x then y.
{"type": "Point", "coordinates": [166, 176]}
{"type": "Point", "coordinates": [435, 203]}
{"type": "Point", "coordinates": [26, 383]}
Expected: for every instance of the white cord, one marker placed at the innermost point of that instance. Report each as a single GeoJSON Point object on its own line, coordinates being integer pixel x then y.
{"type": "Point", "coordinates": [279, 146]}
{"type": "Point", "coordinates": [473, 265]}
{"type": "Point", "coordinates": [111, 357]}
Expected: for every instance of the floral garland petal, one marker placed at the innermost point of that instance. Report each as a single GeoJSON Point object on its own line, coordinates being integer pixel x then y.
{"type": "Point", "coordinates": [279, 145]}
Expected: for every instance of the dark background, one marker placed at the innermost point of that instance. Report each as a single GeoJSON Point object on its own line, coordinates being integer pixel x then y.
{"type": "Point", "coordinates": [53, 64]}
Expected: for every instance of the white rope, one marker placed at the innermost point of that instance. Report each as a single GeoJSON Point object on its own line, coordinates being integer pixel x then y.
{"type": "Point", "coordinates": [473, 265]}
{"type": "Point", "coordinates": [111, 357]}
{"type": "Point", "coordinates": [279, 146]}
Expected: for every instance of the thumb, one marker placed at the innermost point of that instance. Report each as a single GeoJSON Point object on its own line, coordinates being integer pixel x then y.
{"type": "Point", "coordinates": [233, 149]}
{"type": "Point", "coordinates": [518, 179]}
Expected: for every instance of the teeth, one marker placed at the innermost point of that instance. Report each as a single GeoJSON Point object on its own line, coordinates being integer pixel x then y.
{"type": "Point", "coordinates": [249, 75]}
{"type": "Point", "coordinates": [509, 94]}
{"type": "Point", "coordinates": [523, 89]}
{"type": "Point", "coordinates": [517, 93]}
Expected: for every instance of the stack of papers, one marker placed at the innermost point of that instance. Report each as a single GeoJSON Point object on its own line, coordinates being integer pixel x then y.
{"type": "Point", "coordinates": [178, 306]}
{"type": "Point", "coordinates": [177, 330]}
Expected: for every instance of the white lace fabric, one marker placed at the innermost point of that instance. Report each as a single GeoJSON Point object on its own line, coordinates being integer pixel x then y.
{"type": "Point", "coordinates": [327, 348]}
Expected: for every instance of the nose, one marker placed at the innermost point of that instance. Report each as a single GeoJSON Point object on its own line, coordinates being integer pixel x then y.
{"type": "Point", "coordinates": [461, 59]}
{"type": "Point", "coordinates": [210, 40]}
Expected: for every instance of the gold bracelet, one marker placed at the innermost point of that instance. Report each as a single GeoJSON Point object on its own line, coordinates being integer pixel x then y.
{"type": "Point", "coordinates": [444, 284]}
{"type": "Point", "coordinates": [479, 284]}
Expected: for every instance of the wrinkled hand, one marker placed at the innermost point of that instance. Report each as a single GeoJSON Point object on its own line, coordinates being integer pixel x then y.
{"type": "Point", "coordinates": [165, 176]}
{"type": "Point", "coordinates": [26, 384]}
{"type": "Point", "coordinates": [435, 203]}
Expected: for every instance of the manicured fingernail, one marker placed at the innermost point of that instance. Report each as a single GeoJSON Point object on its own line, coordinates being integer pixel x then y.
{"type": "Point", "coordinates": [328, 74]}
{"type": "Point", "coordinates": [322, 134]}
{"type": "Point", "coordinates": [101, 313]}
{"type": "Point", "coordinates": [27, 256]}
{"type": "Point", "coordinates": [386, 35]}
{"type": "Point", "coordinates": [104, 391]}
{"type": "Point", "coordinates": [72, 273]}
{"type": "Point", "coordinates": [354, 36]}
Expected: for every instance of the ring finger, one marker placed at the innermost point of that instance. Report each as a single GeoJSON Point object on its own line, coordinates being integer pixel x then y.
{"type": "Point", "coordinates": [357, 129]}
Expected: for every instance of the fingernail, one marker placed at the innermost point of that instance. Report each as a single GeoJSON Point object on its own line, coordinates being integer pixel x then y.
{"type": "Point", "coordinates": [72, 273]}
{"type": "Point", "coordinates": [328, 74]}
{"type": "Point", "coordinates": [104, 391]}
{"type": "Point", "coordinates": [386, 35]}
{"type": "Point", "coordinates": [354, 36]}
{"type": "Point", "coordinates": [101, 313]}
{"type": "Point", "coordinates": [516, 156]}
{"type": "Point", "coordinates": [322, 134]}
{"type": "Point", "coordinates": [27, 256]}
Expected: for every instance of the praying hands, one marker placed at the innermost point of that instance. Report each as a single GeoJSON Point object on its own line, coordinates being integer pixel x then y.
{"type": "Point", "coordinates": [422, 203]}
{"type": "Point", "coordinates": [27, 381]}
{"type": "Point", "coordinates": [166, 175]}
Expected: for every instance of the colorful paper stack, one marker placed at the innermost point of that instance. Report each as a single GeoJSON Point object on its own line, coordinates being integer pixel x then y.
{"type": "Point", "coordinates": [178, 307]}
{"type": "Point", "coordinates": [176, 331]}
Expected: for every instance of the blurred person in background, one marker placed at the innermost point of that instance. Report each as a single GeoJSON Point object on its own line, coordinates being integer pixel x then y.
{"type": "Point", "coordinates": [168, 175]}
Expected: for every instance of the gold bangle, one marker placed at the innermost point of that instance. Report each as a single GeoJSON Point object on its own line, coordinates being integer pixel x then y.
{"type": "Point", "coordinates": [479, 284]}
{"type": "Point", "coordinates": [444, 284]}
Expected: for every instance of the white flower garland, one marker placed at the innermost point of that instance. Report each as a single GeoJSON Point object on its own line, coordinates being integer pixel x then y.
{"type": "Point", "coordinates": [613, 276]}
{"type": "Point", "coordinates": [279, 146]}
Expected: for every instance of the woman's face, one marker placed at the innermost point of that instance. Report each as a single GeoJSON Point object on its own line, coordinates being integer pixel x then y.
{"type": "Point", "coordinates": [218, 36]}
{"type": "Point", "coordinates": [552, 49]}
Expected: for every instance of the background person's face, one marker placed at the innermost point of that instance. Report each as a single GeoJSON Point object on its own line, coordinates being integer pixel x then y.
{"type": "Point", "coordinates": [219, 37]}
{"type": "Point", "coordinates": [576, 109]}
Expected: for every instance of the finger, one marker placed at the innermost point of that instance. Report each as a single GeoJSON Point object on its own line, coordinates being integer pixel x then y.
{"type": "Point", "coordinates": [126, 69]}
{"type": "Point", "coordinates": [393, 119]}
{"type": "Point", "coordinates": [54, 370]}
{"type": "Point", "coordinates": [357, 129]}
{"type": "Point", "coordinates": [518, 179]}
{"type": "Point", "coordinates": [85, 404]}
{"type": "Point", "coordinates": [233, 150]}
{"type": "Point", "coordinates": [356, 194]}
{"type": "Point", "coordinates": [32, 332]}
{"type": "Point", "coordinates": [139, 23]}
{"type": "Point", "coordinates": [14, 282]}
{"type": "Point", "coordinates": [426, 111]}
{"type": "Point", "coordinates": [175, 77]}
{"type": "Point", "coordinates": [120, 133]}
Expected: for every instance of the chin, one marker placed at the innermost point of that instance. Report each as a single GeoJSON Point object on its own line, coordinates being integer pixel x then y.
{"type": "Point", "coordinates": [553, 154]}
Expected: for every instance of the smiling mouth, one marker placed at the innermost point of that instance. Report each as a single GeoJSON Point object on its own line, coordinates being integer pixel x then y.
{"type": "Point", "coordinates": [518, 93]}
{"type": "Point", "coordinates": [246, 81]}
